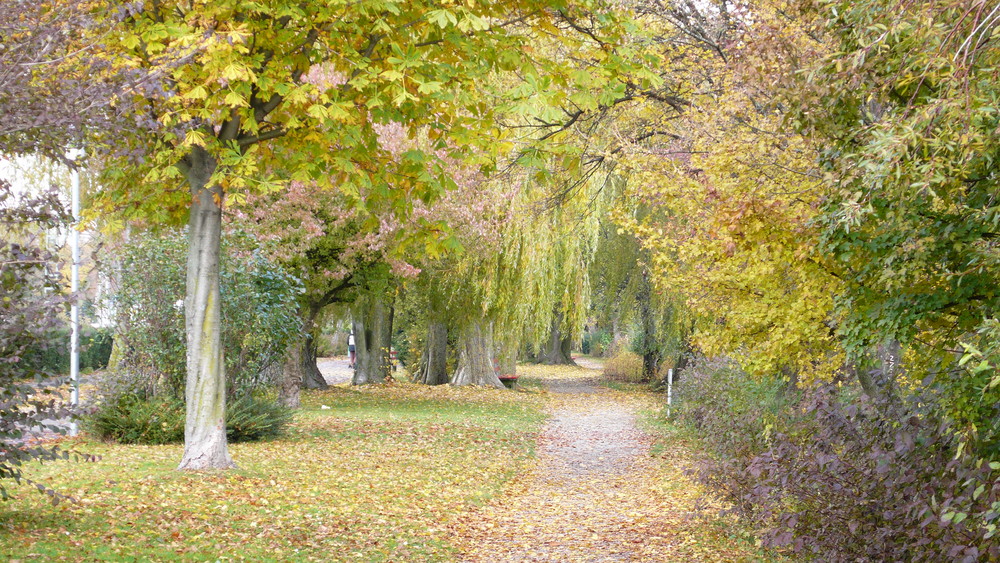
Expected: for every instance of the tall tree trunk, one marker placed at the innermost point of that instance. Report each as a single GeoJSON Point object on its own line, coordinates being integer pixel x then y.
{"type": "Point", "coordinates": [299, 369]}
{"type": "Point", "coordinates": [475, 359]}
{"type": "Point", "coordinates": [312, 378]}
{"type": "Point", "coordinates": [291, 381]}
{"type": "Point", "coordinates": [434, 362]}
{"type": "Point", "coordinates": [372, 339]}
{"type": "Point", "coordinates": [205, 444]}
{"type": "Point", "coordinates": [559, 348]}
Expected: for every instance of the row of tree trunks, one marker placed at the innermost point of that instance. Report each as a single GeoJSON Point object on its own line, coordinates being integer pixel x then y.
{"type": "Point", "coordinates": [372, 333]}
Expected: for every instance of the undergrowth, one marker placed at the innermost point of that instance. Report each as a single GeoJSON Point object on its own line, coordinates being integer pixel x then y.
{"type": "Point", "coordinates": [831, 476]}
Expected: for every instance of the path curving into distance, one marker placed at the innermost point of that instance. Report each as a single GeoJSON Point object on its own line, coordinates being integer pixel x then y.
{"type": "Point", "coordinates": [597, 494]}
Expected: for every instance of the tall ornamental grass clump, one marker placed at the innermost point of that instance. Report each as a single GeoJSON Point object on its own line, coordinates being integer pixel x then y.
{"type": "Point", "coordinates": [259, 310]}
{"type": "Point", "coordinates": [830, 475]}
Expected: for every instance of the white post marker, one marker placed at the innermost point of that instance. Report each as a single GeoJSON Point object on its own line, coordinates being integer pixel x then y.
{"type": "Point", "coordinates": [670, 389]}
{"type": "Point", "coordinates": [74, 239]}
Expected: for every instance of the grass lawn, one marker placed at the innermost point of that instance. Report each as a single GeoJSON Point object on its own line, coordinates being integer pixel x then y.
{"type": "Point", "coordinates": [371, 474]}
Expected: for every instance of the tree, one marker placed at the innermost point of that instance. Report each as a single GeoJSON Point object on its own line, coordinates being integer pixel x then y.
{"type": "Point", "coordinates": [329, 244]}
{"type": "Point", "coordinates": [372, 320]}
{"type": "Point", "coordinates": [46, 107]}
{"type": "Point", "coordinates": [234, 113]}
{"type": "Point", "coordinates": [41, 113]}
{"type": "Point", "coordinates": [734, 197]}
{"type": "Point", "coordinates": [625, 294]}
{"type": "Point", "coordinates": [345, 254]}
{"type": "Point", "coordinates": [909, 121]}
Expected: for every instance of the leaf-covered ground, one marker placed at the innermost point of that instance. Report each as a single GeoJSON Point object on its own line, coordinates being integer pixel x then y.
{"type": "Point", "coordinates": [597, 492]}
{"type": "Point", "coordinates": [376, 476]}
{"type": "Point", "coordinates": [394, 473]}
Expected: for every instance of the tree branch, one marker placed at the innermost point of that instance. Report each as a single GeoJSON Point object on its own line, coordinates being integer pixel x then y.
{"type": "Point", "coordinates": [245, 141]}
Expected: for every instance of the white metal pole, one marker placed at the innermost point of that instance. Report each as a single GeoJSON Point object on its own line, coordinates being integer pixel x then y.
{"type": "Point", "coordinates": [670, 389]}
{"type": "Point", "coordinates": [74, 237]}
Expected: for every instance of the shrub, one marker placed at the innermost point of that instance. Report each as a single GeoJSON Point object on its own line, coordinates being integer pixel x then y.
{"type": "Point", "coordinates": [52, 354]}
{"type": "Point", "coordinates": [256, 417]}
{"type": "Point", "coordinates": [132, 418]}
{"type": "Point", "coordinates": [625, 365]}
{"type": "Point", "coordinates": [734, 412]}
{"type": "Point", "coordinates": [596, 343]}
{"type": "Point", "coordinates": [95, 347]}
{"type": "Point", "coordinates": [259, 309]}
{"type": "Point", "coordinates": [135, 419]}
{"type": "Point", "coordinates": [834, 477]}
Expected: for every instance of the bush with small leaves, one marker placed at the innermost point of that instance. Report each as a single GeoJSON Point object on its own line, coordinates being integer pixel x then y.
{"type": "Point", "coordinates": [832, 476]}
{"type": "Point", "coordinates": [259, 311]}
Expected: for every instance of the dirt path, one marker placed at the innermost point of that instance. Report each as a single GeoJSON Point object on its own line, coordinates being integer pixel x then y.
{"type": "Point", "coordinates": [597, 494]}
{"type": "Point", "coordinates": [336, 370]}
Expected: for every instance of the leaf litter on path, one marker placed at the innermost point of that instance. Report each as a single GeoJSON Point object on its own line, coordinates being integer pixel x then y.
{"type": "Point", "coordinates": [596, 493]}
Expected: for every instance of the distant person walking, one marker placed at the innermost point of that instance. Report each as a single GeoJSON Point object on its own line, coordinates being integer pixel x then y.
{"type": "Point", "coordinates": [352, 350]}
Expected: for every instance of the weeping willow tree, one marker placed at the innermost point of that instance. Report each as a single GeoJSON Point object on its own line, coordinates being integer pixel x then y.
{"type": "Point", "coordinates": [530, 232]}
{"type": "Point", "coordinates": [522, 278]}
{"type": "Point", "coordinates": [482, 295]}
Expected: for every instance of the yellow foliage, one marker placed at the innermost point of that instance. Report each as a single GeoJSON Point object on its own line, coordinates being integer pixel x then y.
{"type": "Point", "coordinates": [625, 365]}
{"type": "Point", "coordinates": [731, 233]}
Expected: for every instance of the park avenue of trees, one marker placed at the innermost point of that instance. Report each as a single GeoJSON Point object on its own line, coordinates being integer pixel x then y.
{"type": "Point", "coordinates": [790, 206]}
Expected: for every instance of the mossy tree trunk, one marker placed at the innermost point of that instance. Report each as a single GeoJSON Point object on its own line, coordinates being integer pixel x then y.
{"type": "Point", "coordinates": [291, 381]}
{"type": "Point", "coordinates": [205, 444]}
